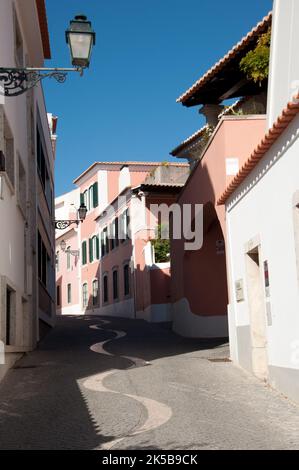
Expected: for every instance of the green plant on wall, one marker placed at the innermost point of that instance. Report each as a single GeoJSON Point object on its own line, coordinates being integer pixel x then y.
{"type": "Point", "coordinates": [255, 64]}
{"type": "Point", "coordinates": [161, 246]}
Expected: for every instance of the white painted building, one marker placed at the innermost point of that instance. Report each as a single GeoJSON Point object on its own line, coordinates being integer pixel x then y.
{"type": "Point", "coordinates": [262, 213]}
{"type": "Point", "coordinates": [27, 282]}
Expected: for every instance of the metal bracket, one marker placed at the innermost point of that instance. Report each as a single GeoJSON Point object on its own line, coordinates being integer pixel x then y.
{"type": "Point", "coordinates": [63, 224]}
{"type": "Point", "coordinates": [16, 81]}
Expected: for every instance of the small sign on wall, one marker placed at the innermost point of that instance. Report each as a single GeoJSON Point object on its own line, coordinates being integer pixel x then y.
{"type": "Point", "coordinates": [239, 289]}
{"type": "Point", "coordinates": [266, 277]}
{"type": "Point", "coordinates": [232, 166]}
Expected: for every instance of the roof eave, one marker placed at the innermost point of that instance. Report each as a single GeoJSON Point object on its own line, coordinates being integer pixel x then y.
{"type": "Point", "coordinates": [43, 24]}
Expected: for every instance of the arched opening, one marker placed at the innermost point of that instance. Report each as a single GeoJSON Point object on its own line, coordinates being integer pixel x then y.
{"type": "Point", "coordinates": [205, 282]}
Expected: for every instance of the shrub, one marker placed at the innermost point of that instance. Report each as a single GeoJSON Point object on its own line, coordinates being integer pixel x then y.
{"type": "Point", "coordinates": [255, 64]}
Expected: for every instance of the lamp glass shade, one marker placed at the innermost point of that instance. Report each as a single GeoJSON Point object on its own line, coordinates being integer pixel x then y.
{"type": "Point", "coordinates": [80, 38]}
{"type": "Point", "coordinates": [82, 211]}
{"type": "Point", "coordinates": [63, 245]}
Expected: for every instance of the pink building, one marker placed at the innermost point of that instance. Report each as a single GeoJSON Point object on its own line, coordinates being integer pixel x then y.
{"type": "Point", "coordinates": [116, 273]}
{"type": "Point", "coordinates": [215, 152]}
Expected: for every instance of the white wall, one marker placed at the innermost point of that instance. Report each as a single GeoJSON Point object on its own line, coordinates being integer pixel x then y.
{"type": "Point", "coordinates": [17, 111]}
{"type": "Point", "coordinates": [262, 207]}
{"type": "Point", "coordinates": [66, 204]}
{"type": "Point", "coordinates": [284, 64]}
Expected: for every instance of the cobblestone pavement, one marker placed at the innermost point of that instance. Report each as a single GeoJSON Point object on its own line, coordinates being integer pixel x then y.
{"type": "Point", "coordinates": [165, 394]}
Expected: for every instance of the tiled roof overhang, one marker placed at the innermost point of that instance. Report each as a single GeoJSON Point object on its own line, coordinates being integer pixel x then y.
{"type": "Point", "coordinates": [225, 74]}
{"type": "Point", "coordinates": [190, 140]}
{"type": "Point", "coordinates": [272, 135]}
{"type": "Point", "coordinates": [159, 187]}
{"type": "Point", "coordinates": [43, 24]}
{"type": "Point", "coordinates": [121, 164]}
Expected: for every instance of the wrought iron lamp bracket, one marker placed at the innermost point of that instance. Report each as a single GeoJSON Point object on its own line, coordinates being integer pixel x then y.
{"type": "Point", "coordinates": [16, 81]}
{"type": "Point", "coordinates": [63, 224]}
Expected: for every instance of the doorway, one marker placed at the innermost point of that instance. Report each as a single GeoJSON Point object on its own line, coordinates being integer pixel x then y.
{"type": "Point", "coordinates": [256, 300]}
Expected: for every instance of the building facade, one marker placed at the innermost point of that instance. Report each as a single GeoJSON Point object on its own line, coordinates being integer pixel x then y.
{"type": "Point", "coordinates": [27, 267]}
{"type": "Point", "coordinates": [262, 228]}
{"type": "Point", "coordinates": [215, 154]}
{"type": "Point", "coordinates": [117, 273]}
{"type": "Point", "coordinates": [67, 260]}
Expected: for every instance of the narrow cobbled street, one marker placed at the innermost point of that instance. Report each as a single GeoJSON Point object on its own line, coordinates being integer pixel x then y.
{"type": "Point", "coordinates": [108, 383]}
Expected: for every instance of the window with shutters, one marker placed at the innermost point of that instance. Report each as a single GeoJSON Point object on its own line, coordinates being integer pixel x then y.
{"type": "Point", "coordinates": [8, 153]}
{"type": "Point", "coordinates": [90, 250]}
{"type": "Point", "coordinates": [68, 258]}
{"type": "Point", "coordinates": [84, 253]}
{"type": "Point", "coordinates": [22, 187]}
{"type": "Point", "coordinates": [69, 293]}
{"type": "Point", "coordinates": [95, 247]}
{"type": "Point", "coordinates": [105, 288]}
{"type": "Point", "coordinates": [126, 279]}
{"type": "Point", "coordinates": [95, 292]}
{"type": "Point", "coordinates": [114, 241]}
{"type": "Point", "coordinates": [90, 198]}
{"type": "Point", "coordinates": [43, 171]}
{"type": "Point", "coordinates": [104, 242]}
{"type": "Point", "coordinates": [115, 284]}
{"type": "Point", "coordinates": [124, 225]}
{"type": "Point", "coordinates": [95, 195]}
{"type": "Point", "coordinates": [44, 262]}
{"type": "Point", "coordinates": [84, 295]}
{"type": "Point", "coordinates": [57, 261]}
{"type": "Point", "coordinates": [58, 296]}
{"type": "Point", "coordinates": [85, 199]}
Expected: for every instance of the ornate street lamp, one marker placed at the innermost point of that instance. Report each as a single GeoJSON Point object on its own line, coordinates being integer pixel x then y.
{"type": "Point", "coordinates": [63, 224]}
{"type": "Point", "coordinates": [71, 252]}
{"type": "Point", "coordinates": [63, 245]}
{"type": "Point", "coordinates": [81, 39]}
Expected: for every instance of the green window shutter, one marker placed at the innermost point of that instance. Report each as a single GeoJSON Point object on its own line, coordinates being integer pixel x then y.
{"type": "Point", "coordinates": [84, 257]}
{"type": "Point", "coordinates": [98, 248]}
{"type": "Point", "coordinates": [95, 195]}
{"type": "Point", "coordinates": [81, 199]}
{"type": "Point", "coordinates": [90, 251]}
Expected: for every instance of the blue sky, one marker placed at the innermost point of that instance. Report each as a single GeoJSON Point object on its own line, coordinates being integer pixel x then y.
{"type": "Point", "coordinates": [147, 54]}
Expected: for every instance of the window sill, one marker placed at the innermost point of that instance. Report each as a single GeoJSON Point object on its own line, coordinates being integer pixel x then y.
{"type": "Point", "coordinates": [16, 349]}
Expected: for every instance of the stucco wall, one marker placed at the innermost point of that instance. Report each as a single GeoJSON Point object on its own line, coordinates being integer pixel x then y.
{"type": "Point", "coordinates": [199, 281]}
{"type": "Point", "coordinates": [263, 209]}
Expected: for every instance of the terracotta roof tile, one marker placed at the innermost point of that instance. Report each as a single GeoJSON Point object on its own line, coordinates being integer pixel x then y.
{"type": "Point", "coordinates": [136, 163]}
{"type": "Point", "coordinates": [229, 56]}
{"type": "Point", "coordinates": [188, 141]}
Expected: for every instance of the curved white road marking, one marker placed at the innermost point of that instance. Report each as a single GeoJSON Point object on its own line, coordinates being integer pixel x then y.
{"type": "Point", "coordinates": [157, 413]}
{"type": "Point", "coordinates": [99, 347]}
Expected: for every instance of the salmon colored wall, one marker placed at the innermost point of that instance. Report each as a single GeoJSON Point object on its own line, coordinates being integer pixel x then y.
{"type": "Point", "coordinates": [138, 177]}
{"type": "Point", "coordinates": [113, 184]}
{"type": "Point", "coordinates": [65, 276]}
{"type": "Point", "coordinates": [116, 259]}
{"type": "Point", "coordinates": [88, 229]}
{"type": "Point", "coordinates": [198, 275]}
{"type": "Point", "coordinates": [160, 286]}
